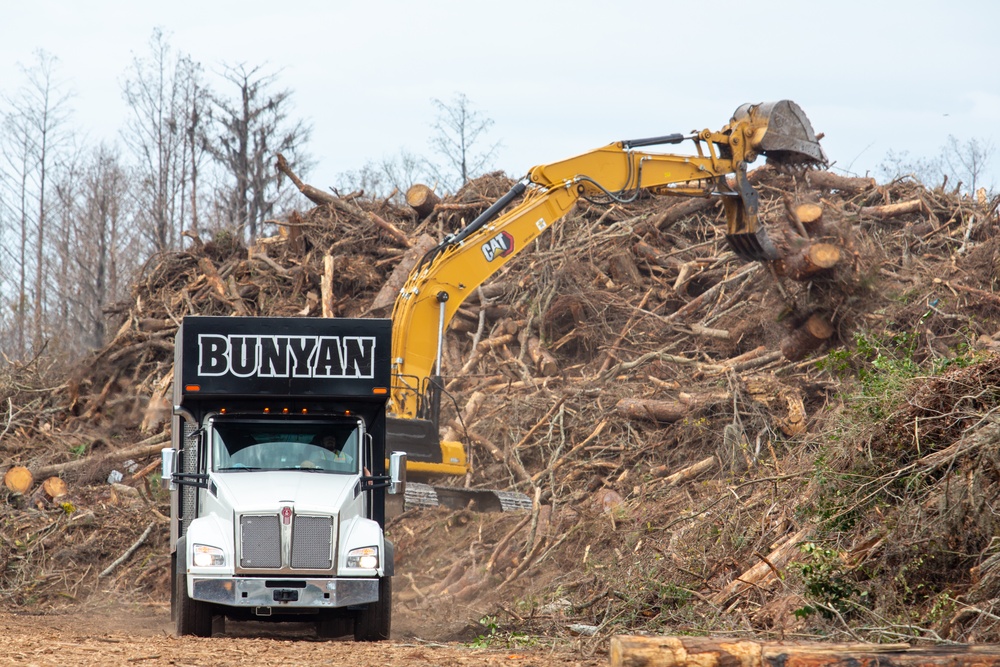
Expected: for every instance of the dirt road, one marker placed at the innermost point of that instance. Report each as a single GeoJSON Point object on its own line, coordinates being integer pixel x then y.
{"type": "Point", "coordinates": [142, 635]}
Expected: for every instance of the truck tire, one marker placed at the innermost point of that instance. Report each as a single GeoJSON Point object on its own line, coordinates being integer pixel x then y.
{"type": "Point", "coordinates": [331, 625]}
{"type": "Point", "coordinates": [192, 617]}
{"type": "Point", "coordinates": [374, 621]}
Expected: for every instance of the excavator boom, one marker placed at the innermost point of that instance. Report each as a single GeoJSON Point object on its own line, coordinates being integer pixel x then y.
{"type": "Point", "coordinates": [618, 172]}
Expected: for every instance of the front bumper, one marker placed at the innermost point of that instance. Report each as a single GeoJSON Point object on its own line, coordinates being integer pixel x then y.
{"type": "Point", "coordinates": [284, 593]}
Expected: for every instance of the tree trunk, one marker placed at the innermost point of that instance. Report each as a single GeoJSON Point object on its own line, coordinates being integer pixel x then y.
{"type": "Point", "coordinates": [808, 337]}
{"type": "Point", "coordinates": [386, 296]}
{"type": "Point", "coordinates": [810, 259]}
{"type": "Point", "coordinates": [421, 199]}
{"type": "Point", "coordinates": [652, 651]}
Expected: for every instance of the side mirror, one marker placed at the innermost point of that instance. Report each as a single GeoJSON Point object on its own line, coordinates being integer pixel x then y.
{"type": "Point", "coordinates": [397, 473]}
{"type": "Point", "coordinates": [167, 455]}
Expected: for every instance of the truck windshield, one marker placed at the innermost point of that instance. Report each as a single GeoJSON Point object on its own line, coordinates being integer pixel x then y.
{"type": "Point", "coordinates": [286, 445]}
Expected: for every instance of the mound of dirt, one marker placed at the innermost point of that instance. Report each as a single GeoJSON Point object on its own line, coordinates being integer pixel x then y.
{"type": "Point", "coordinates": [712, 445]}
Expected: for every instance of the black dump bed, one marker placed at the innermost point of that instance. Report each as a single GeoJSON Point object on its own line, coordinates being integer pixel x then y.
{"type": "Point", "coordinates": [288, 357]}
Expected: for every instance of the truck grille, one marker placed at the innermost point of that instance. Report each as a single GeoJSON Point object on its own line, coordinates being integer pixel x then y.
{"type": "Point", "coordinates": [311, 542]}
{"type": "Point", "coordinates": [261, 541]}
{"type": "Point", "coordinates": [312, 537]}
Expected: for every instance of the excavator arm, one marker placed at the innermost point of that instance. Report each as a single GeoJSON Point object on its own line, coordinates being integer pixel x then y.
{"type": "Point", "coordinates": [618, 172]}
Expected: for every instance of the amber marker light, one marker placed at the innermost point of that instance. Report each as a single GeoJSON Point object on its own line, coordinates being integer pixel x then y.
{"type": "Point", "coordinates": [304, 411]}
{"type": "Point", "coordinates": [381, 391]}
{"type": "Point", "coordinates": [267, 411]}
{"type": "Point", "coordinates": [192, 387]}
{"type": "Point", "coordinates": [284, 411]}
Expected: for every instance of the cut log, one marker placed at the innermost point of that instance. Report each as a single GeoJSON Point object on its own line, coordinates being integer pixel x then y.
{"type": "Point", "coordinates": [684, 474]}
{"type": "Point", "coordinates": [806, 338]}
{"type": "Point", "coordinates": [326, 286]}
{"type": "Point", "coordinates": [390, 289]}
{"type": "Point", "coordinates": [807, 261]}
{"type": "Point", "coordinates": [652, 651]}
{"type": "Point", "coordinates": [652, 410]}
{"type": "Point", "coordinates": [544, 362]}
{"type": "Point", "coordinates": [421, 199]}
{"type": "Point", "coordinates": [767, 569]}
{"type": "Point", "coordinates": [648, 253]}
{"type": "Point", "coordinates": [831, 181]}
{"type": "Point", "coordinates": [18, 480]}
{"type": "Point", "coordinates": [149, 447]}
{"type": "Point", "coordinates": [811, 217]}
{"type": "Point", "coordinates": [54, 487]}
{"type": "Point", "coordinates": [886, 211]}
{"type": "Point", "coordinates": [682, 210]}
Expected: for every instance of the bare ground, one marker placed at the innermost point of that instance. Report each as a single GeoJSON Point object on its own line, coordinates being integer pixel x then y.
{"type": "Point", "coordinates": [131, 633]}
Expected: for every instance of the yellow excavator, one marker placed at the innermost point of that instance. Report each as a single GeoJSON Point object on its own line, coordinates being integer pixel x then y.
{"type": "Point", "coordinates": [618, 172]}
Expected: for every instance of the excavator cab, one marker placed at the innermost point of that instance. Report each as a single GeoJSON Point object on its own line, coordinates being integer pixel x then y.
{"type": "Point", "coordinates": [781, 132]}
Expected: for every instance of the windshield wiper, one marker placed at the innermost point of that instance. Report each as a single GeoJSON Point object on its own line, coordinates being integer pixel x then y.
{"type": "Point", "coordinates": [236, 469]}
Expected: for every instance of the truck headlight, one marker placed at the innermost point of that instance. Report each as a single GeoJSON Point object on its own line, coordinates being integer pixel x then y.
{"type": "Point", "coordinates": [365, 557]}
{"type": "Point", "coordinates": [206, 556]}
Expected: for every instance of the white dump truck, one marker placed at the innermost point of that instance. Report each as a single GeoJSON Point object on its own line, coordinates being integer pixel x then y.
{"type": "Point", "coordinates": [277, 474]}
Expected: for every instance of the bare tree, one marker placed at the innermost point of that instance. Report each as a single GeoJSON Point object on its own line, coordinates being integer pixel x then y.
{"type": "Point", "coordinates": [19, 165]}
{"type": "Point", "coordinates": [968, 161]}
{"type": "Point", "coordinates": [963, 164]}
{"type": "Point", "coordinates": [98, 256]}
{"type": "Point", "coordinates": [250, 130]}
{"type": "Point", "coordinates": [167, 101]}
{"type": "Point", "coordinates": [389, 178]}
{"type": "Point", "coordinates": [35, 130]}
{"type": "Point", "coordinates": [459, 133]}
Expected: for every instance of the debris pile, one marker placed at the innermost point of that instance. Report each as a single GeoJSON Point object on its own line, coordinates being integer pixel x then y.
{"type": "Point", "coordinates": [711, 444]}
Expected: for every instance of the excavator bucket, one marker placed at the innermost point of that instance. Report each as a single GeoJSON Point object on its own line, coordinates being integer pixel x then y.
{"type": "Point", "coordinates": [781, 131]}
{"type": "Point", "coordinates": [787, 136]}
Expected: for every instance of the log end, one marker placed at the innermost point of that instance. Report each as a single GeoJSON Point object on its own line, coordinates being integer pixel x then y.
{"type": "Point", "coordinates": [18, 480]}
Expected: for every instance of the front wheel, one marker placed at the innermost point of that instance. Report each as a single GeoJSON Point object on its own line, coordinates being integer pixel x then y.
{"type": "Point", "coordinates": [330, 625]}
{"type": "Point", "coordinates": [192, 617]}
{"type": "Point", "coordinates": [374, 621]}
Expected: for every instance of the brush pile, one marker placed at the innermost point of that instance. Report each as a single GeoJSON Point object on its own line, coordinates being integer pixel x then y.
{"type": "Point", "coordinates": [808, 445]}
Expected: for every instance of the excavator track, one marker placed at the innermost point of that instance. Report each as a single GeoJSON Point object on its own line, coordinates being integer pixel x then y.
{"type": "Point", "coordinates": [425, 496]}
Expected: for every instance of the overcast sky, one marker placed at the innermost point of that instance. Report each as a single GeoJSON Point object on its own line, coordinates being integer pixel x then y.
{"type": "Point", "coordinates": [557, 78]}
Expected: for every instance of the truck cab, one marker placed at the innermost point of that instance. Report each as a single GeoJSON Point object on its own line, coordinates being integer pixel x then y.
{"type": "Point", "coordinates": [277, 474]}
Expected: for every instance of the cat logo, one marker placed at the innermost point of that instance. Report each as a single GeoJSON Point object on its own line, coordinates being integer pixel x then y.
{"type": "Point", "coordinates": [500, 245]}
